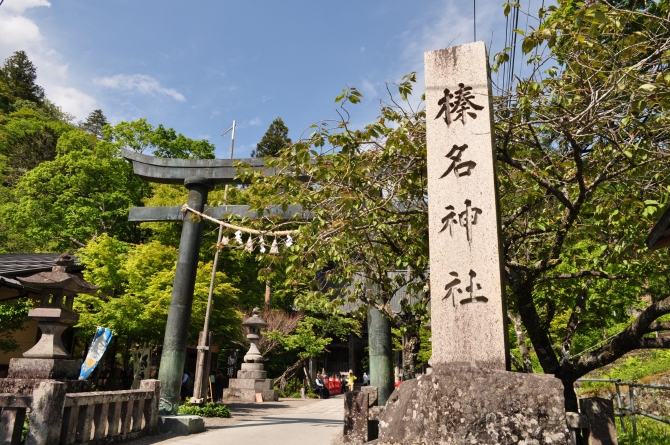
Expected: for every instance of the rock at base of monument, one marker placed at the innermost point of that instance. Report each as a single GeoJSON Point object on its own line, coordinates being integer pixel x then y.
{"type": "Point", "coordinates": [237, 395]}
{"type": "Point", "coordinates": [252, 374]}
{"type": "Point", "coordinates": [270, 395]}
{"type": "Point", "coordinates": [182, 425]}
{"type": "Point", "coordinates": [459, 404]}
{"type": "Point", "coordinates": [26, 386]}
{"type": "Point", "coordinates": [43, 368]}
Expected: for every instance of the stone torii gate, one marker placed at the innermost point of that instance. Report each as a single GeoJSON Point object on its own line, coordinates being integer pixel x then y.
{"type": "Point", "coordinates": [198, 176]}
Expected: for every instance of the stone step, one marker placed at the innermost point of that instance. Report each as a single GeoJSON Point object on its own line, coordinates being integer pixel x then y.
{"type": "Point", "coordinates": [231, 395]}
{"type": "Point", "coordinates": [256, 384]}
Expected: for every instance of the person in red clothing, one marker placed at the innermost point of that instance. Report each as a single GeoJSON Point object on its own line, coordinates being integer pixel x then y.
{"type": "Point", "coordinates": [399, 382]}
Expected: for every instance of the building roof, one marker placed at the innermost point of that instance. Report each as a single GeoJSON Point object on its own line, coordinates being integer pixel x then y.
{"type": "Point", "coordinates": [21, 264]}
{"type": "Point", "coordinates": [660, 234]}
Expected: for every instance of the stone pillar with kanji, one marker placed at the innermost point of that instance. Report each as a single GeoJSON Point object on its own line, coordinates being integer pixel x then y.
{"type": "Point", "coordinates": [470, 397]}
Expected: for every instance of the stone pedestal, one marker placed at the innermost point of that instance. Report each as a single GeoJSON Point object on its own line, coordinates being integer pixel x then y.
{"type": "Point", "coordinates": [356, 407]}
{"type": "Point", "coordinates": [251, 380]}
{"type": "Point", "coordinates": [458, 404]}
{"type": "Point", "coordinates": [600, 415]}
{"type": "Point", "coordinates": [36, 368]}
{"type": "Point", "coordinates": [181, 425]}
{"type": "Point", "coordinates": [25, 374]}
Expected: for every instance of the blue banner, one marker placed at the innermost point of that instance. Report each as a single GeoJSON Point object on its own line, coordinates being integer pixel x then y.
{"type": "Point", "coordinates": [95, 352]}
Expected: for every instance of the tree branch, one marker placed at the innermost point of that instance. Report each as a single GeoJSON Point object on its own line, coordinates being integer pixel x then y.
{"type": "Point", "coordinates": [625, 341]}
{"type": "Point", "coordinates": [573, 323]}
{"type": "Point", "coordinates": [583, 273]}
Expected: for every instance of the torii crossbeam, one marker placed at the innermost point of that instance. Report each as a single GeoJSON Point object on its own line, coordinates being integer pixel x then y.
{"type": "Point", "coordinates": [198, 176]}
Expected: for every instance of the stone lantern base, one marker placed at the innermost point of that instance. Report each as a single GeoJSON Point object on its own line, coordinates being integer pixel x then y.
{"type": "Point", "coordinates": [251, 380]}
{"type": "Point", "coordinates": [26, 373]}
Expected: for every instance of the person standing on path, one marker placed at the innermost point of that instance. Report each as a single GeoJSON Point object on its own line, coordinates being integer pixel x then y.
{"type": "Point", "coordinates": [350, 380]}
{"type": "Point", "coordinates": [366, 379]}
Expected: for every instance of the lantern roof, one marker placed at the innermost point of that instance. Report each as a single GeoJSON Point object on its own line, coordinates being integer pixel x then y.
{"type": "Point", "coordinates": [255, 320]}
{"type": "Point", "coordinates": [59, 278]}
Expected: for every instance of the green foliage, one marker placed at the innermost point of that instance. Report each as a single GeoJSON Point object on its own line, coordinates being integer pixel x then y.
{"type": "Point", "coordinates": [84, 192]}
{"type": "Point", "coordinates": [208, 410]}
{"type": "Point", "coordinates": [649, 432]}
{"type": "Point", "coordinates": [367, 191]}
{"type": "Point", "coordinates": [138, 282]}
{"type": "Point", "coordinates": [94, 123]}
{"type": "Point", "coordinates": [19, 75]}
{"type": "Point", "coordinates": [632, 369]}
{"type": "Point", "coordinates": [581, 143]}
{"type": "Point", "coordinates": [323, 320]}
{"type": "Point", "coordinates": [159, 141]}
{"type": "Point", "coordinates": [274, 140]}
{"type": "Point", "coordinates": [13, 315]}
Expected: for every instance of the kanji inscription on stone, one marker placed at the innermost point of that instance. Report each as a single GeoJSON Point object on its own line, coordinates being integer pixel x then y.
{"type": "Point", "coordinates": [467, 308]}
{"type": "Point", "coordinates": [472, 290]}
{"type": "Point", "coordinates": [459, 168]}
{"type": "Point", "coordinates": [455, 106]}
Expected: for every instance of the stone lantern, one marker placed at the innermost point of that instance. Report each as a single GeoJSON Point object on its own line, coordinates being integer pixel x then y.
{"type": "Point", "coordinates": [254, 324]}
{"type": "Point", "coordinates": [49, 358]}
{"type": "Point", "coordinates": [252, 384]}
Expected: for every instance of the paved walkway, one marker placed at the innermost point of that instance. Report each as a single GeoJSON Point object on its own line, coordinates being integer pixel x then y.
{"type": "Point", "coordinates": [288, 422]}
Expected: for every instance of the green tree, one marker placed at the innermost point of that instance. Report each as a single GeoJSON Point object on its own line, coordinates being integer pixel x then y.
{"type": "Point", "coordinates": [94, 123]}
{"type": "Point", "coordinates": [20, 75]}
{"type": "Point", "coordinates": [137, 280]}
{"type": "Point", "coordinates": [84, 192]}
{"type": "Point", "coordinates": [274, 140]}
{"type": "Point", "coordinates": [163, 142]}
{"type": "Point", "coordinates": [28, 137]}
{"type": "Point", "coordinates": [581, 143]}
{"type": "Point", "coordinates": [13, 315]}
{"type": "Point", "coordinates": [582, 149]}
{"type": "Point", "coordinates": [321, 321]}
{"type": "Point", "coordinates": [366, 190]}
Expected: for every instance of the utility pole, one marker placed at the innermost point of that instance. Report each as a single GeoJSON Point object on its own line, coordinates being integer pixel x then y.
{"type": "Point", "coordinates": [205, 338]}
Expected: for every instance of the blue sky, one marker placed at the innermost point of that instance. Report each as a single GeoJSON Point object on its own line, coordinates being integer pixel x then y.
{"type": "Point", "coordinates": [195, 66]}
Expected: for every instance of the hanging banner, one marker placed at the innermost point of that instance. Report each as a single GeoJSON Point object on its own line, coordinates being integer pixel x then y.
{"type": "Point", "coordinates": [141, 362]}
{"type": "Point", "coordinates": [231, 363]}
{"type": "Point", "coordinates": [95, 352]}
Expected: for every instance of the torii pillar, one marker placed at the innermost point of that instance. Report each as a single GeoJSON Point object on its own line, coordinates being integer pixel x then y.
{"type": "Point", "coordinates": [198, 176]}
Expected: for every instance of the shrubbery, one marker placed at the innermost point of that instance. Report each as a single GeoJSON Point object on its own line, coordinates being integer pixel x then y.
{"type": "Point", "coordinates": [208, 410]}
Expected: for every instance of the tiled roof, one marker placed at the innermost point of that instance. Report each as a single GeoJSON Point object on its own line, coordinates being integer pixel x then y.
{"type": "Point", "coordinates": [21, 264]}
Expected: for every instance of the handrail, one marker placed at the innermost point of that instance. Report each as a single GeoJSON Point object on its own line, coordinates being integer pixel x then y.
{"type": "Point", "coordinates": [631, 402]}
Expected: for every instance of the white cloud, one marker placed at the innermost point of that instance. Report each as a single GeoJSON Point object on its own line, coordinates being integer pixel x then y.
{"type": "Point", "coordinates": [18, 32]}
{"type": "Point", "coordinates": [448, 25]}
{"type": "Point", "coordinates": [18, 6]}
{"type": "Point", "coordinates": [140, 83]}
{"type": "Point", "coordinates": [255, 121]}
{"type": "Point", "coordinates": [72, 100]}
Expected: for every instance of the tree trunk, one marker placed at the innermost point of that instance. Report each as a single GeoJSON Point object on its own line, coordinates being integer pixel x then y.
{"type": "Point", "coordinates": [289, 373]}
{"type": "Point", "coordinates": [268, 295]}
{"type": "Point", "coordinates": [527, 365]}
{"type": "Point", "coordinates": [411, 342]}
